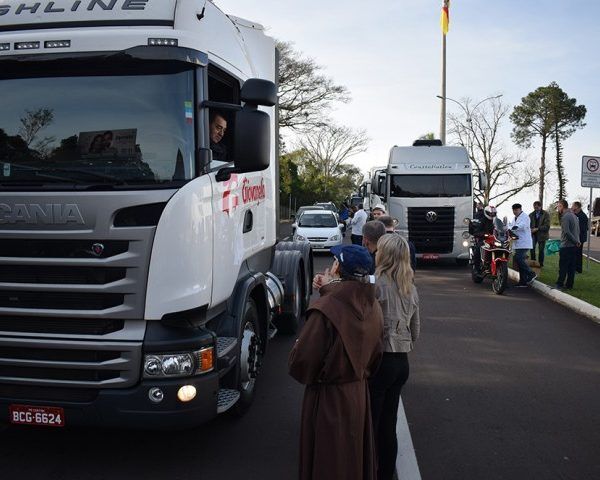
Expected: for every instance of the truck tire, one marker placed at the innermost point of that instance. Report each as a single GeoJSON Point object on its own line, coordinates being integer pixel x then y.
{"type": "Point", "coordinates": [288, 266]}
{"type": "Point", "coordinates": [307, 255]}
{"type": "Point", "coordinates": [249, 361]}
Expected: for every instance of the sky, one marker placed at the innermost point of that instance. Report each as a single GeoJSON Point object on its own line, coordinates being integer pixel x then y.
{"type": "Point", "coordinates": [388, 54]}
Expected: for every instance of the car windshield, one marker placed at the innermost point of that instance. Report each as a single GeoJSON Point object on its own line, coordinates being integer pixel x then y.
{"type": "Point", "coordinates": [316, 220]}
{"type": "Point", "coordinates": [414, 186]}
{"type": "Point", "coordinates": [301, 210]}
{"type": "Point", "coordinates": [327, 206]}
{"type": "Point", "coordinates": [130, 130]}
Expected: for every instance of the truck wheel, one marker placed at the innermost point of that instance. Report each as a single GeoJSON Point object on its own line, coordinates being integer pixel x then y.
{"type": "Point", "coordinates": [307, 255]}
{"type": "Point", "coordinates": [288, 323]}
{"type": "Point", "coordinates": [249, 361]}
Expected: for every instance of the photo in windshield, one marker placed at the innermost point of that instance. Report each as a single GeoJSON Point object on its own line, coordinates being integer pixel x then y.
{"type": "Point", "coordinates": [415, 186]}
{"type": "Point", "coordinates": [316, 220]}
{"type": "Point", "coordinates": [113, 130]}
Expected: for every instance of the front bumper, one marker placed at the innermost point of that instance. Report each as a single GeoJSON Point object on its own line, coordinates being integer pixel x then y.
{"type": "Point", "coordinates": [324, 246]}
{"type": "Point", "coordinates": [127, 408]}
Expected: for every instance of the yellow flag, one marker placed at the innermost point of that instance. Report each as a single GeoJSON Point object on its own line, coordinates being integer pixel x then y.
{"type": "Point", "coordinates": [446, 17]}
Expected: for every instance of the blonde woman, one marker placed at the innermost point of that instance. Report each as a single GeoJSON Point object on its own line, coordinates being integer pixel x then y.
{"type": "Point", "coordinates": [399, 302]}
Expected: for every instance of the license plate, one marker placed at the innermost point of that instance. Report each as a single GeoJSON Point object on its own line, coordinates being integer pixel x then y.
{"type": "Point", "coordinates": [37, 416]}
{"type": "Point", "coordinates": [430, 256]}
{"type": "Point", "coordinates": [317, 245]}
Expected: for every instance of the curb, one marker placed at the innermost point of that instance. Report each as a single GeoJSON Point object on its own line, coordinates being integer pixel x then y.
{"type": "Point", "coordinates": [575, 304]}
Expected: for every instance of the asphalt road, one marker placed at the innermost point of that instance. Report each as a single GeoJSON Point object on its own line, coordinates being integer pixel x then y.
{"type": "Point", "coordinates": [500, 388]}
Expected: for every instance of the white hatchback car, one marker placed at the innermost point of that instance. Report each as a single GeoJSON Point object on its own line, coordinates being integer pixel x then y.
{"type": "Point", "coordinates": [320, 228]}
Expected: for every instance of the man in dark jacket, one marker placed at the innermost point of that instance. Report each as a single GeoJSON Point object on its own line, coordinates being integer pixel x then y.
{"type": "Point", "coordinates": [569, 242]}
{"type": "Point", "coordinates": [583, 234]}
{"type": "Point", "coordinates": [540, 230]}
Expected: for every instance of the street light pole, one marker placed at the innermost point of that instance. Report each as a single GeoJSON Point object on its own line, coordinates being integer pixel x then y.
{"type": "Point", "coordinates": [443, 95]}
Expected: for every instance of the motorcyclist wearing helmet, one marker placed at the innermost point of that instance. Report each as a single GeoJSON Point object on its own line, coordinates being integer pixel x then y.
{"type": "Point", "coordinates": [479, 229]}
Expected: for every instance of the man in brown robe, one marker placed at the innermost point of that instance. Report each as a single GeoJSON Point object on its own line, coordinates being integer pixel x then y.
{"type": "Point", "coordinates": [338, 349]}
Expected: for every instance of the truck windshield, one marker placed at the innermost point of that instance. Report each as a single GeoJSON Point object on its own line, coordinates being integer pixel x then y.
{"type": "Point", "coordinates": [131, 131]}
{"type": "Point", "coordinates": [416, 186]}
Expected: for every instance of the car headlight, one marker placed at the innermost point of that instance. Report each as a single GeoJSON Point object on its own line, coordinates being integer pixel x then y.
{"type": "Point", "coordinates": [335, 238]}
{"type": "Point", "coordinates": [465, 235]}
{"type": "Point", "coordinates": [300, 238]}
{"type": "Point", "coordinates": [179, 364]}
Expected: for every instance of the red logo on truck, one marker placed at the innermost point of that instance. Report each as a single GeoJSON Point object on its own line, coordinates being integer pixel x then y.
{"type": "Point", "coordinates": [230, 200]}
{"type": "Point", "coordinates": [250, 193]}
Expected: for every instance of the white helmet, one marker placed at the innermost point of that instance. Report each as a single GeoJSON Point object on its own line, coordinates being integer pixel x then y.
{"type": "Point", "coordinates": [489, 212]}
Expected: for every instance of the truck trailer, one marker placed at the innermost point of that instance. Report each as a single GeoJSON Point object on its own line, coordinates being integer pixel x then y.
{"type": "Point", "coordinates": [140, 273]}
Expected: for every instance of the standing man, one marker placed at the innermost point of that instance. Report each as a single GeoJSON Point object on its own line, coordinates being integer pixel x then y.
{"type": "Point", "coordinates": [388, 223]}
{"type": "Point", "coordinates": [569, 243]}
{"type": "Point", "coordinates": [372, 232]}
{"type": "Point", "coordinates": [583, 233]}
{"type": "Point", "coordinates": [520, 226]}
{"type": "Point", "coordinates": [357, 223]}
{"type": "Point", "coordinates": [377, 212]}
{"type": "Point", "coordinates": [539, 221]}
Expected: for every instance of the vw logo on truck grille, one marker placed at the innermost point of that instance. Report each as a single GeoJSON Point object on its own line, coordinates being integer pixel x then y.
{"type": "Point", "coordinates": [431, 216]}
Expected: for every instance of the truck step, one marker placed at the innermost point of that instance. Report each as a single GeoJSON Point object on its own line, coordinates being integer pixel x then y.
{"type": "Point", "coordinates": [225, 345]}
{"type": "Point", "coordinates": [227, 398]}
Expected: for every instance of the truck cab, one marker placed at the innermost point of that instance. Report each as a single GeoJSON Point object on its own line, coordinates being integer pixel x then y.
{"type": "Point", "coordinates": [429, 189]}
{"type": "Point", "coordinates": [140, 273]}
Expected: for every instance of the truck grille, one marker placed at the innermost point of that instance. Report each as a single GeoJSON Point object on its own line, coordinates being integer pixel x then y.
{"type": "Point", "coordinates": [50, 248]}
{"type": "Point", "coordinates": [58, 326]}
{"type": "Point", "coordinates": [431, 236]}
{"type": "Point", "coordinates": [59, 300]}
{"type": "Point", "coordinates": [60, 274]}
{"type": "Point", "coordinates": [69, 363]}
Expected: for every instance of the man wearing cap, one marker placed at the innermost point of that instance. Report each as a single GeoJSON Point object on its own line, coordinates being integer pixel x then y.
{"type": "Point", "coordinates": [520, 225]}
{"type": "Point", "coordinates": [340, 346]}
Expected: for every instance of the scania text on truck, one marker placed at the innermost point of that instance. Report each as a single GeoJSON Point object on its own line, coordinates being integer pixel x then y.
{"type": "Point", "coordinates": [140, 273]}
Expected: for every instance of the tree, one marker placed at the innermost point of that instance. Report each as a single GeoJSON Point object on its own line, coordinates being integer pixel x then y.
{"type": "Point", "coordinates": [547, 113]}
{"type": "Point", "coordinates": [566, 118]}
{"type": "Point", "coordinates": [323, 168]}
{"type": "Point", "coordinates": [427, 136]}
{"type": "Point", "coordinates": [531, 119]}
{"type": "Point", "coordinates": [477, 129]}
{"type": "Point", "coordinates": [305, 94]}
{"type": "Point", "coordinates": [31, 125]}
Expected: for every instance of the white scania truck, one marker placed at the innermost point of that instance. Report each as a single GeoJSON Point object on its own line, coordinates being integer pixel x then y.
{"type": "Point", "coordinates": [140, 275]}
{"type": "Point", "coordinates": [429, 189]}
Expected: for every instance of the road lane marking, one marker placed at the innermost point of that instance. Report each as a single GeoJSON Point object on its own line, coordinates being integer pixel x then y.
{"type": "Point", "coordinates": [407, 467]}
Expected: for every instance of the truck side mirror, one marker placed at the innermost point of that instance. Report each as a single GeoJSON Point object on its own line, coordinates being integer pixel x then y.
{"type": "Point", "coordinates": [257, 91]}
{"type": "Point", "coordinates": [252, 140]}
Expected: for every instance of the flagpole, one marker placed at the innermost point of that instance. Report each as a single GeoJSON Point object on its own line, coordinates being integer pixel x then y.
{"type": "Point", "coordinates": [443, 99]}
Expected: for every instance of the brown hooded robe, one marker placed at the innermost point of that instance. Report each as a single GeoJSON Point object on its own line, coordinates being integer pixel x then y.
{"type": "Point", "coordinates": [338, 349]}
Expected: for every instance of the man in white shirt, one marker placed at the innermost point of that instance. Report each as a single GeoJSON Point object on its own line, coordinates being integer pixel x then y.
{"type": "Point", "coordinates": [357, 223]}
{"type": "Point", "coordinates": [521, 226]}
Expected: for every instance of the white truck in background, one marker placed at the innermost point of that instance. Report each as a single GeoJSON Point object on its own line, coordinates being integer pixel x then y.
{"type": "Point", "coordinates": [429, 189]}
{"type": "Point", "coordinates": [370, 190]}
{"type": "Point", "coordinates": [140, 278]}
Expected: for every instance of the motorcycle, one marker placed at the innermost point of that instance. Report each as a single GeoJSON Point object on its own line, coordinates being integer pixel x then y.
{"type": "Point", "coordinates": [489, 253]}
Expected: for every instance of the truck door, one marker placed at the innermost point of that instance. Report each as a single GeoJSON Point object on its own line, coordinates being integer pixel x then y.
{"type": "Point", "coordinates": [238, 202]}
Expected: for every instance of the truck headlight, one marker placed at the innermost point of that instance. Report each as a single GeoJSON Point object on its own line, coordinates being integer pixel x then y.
{"type": "Point", "coordinates": [179, 364]}
{"type": "Point", "coordinates": [335, 238]}
{"type": "Point", "coordinates": [465, 243]}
